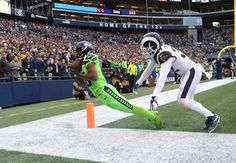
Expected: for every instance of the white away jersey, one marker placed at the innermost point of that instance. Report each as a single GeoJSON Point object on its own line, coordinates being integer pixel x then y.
{"type": "Point", "coordinates": [180, 65]}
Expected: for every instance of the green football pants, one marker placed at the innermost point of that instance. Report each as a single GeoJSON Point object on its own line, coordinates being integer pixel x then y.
{"type": "Point", "coordinates": [111, 97]}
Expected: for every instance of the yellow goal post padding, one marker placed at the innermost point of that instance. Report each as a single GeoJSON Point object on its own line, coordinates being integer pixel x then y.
{"type": "Point", "coordinates": [230, 46]}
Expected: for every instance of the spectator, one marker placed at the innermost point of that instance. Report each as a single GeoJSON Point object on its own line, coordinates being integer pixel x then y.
{"type": "Point", "coordinates": [124, 66]}
{"type": "Point", "coordinates": [116, 82]}
{"type": "Point", "coordinates": [28, 65]}
{"type": "Point", "coordinates": [108, 77]}
{"type": "Point", "coordinates": [112, 62]}
{"type": "Point", "coordinates": [106, 63]}
{"type": "Point", "coordinates": [132, 72]}
{"type": "Point", "coordinates": [40, 67]}
{"type": "Point", "coordinates": [56, 68]}
{"type": "Point", "coordinates": [63, 69]}
{"type": "Point", "coordinates": [125, 86]}
{"type": "Point", "coordinates": [4, 66]}
{"type": "Point", "coordinates": [10, 57]}
{"type": "Point", "coordinates": [48, 69]}
{"type": "Point", "coordinates": [15, 68]}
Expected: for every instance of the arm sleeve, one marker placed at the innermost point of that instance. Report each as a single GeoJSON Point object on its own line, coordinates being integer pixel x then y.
{"type": "Point", "coordinates": [147, 72]}
{"type": "Point", "coordinates": [164, 71]}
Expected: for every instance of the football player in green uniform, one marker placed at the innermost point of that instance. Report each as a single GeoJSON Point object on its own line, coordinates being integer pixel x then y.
{"type": "Point", "coordinates": [88, 68]}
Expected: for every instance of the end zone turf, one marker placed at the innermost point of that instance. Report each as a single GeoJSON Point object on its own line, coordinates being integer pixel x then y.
{"type": "Point", "coordinates": [177, 118]}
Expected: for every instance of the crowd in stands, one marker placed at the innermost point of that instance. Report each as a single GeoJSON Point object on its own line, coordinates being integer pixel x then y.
{"type": "Point", "coordinates": [42, 51]}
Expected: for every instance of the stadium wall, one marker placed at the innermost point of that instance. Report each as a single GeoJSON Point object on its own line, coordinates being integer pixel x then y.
{"type": "Point", "coordinates": [24, 92]}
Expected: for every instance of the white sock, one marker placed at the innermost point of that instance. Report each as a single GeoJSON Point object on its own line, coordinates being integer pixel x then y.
{"type": "Point", "coordinates": [196, 106]}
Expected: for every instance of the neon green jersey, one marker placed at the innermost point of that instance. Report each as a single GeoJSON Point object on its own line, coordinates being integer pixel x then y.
{"type": "Point", "coordinates": [112, 63]}
{"type": "Point", "coordinates": [94, 86]}
{"type": "Point", "coordinates": [141, 66]}
{"type": "Point", "coordinates": [124, 64]}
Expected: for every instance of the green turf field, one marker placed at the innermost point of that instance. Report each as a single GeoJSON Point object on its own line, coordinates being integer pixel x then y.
{"type": "Point", "coordinates": [27, 113]}
{"type": "Point", "coordinates": [221, 100]}
{"type": "Point", "coordinates": [20, 157]}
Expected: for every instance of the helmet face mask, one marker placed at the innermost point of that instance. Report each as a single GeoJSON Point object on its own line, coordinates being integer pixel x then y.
{"type": "Point", "coordinates": [78, 55]}
{"type": "Point", "coordinates": [150, 44]}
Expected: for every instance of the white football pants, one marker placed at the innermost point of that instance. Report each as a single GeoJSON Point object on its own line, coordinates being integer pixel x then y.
{"type": "Point", "coordinates": [188, 86]}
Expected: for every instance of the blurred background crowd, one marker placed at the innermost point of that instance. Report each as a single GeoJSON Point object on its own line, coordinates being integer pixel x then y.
{"type": "Point", "coordinates": [40, 51]}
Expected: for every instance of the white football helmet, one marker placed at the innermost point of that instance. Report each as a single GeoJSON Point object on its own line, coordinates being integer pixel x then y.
{"type": "Point", "coordinates": [151, 44]}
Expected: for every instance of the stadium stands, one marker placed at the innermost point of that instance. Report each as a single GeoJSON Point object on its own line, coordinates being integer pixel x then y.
{"type": "Point", "coordinates": [47, 42]}
{"type": "Point", "coordinates": [42, 51]}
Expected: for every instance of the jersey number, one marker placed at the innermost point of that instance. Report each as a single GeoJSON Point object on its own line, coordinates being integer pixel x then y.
{"type": "Point", "coordinates": [175, 50]}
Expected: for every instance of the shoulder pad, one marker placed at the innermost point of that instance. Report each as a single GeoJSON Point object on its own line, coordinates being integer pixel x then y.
{"type": "Point", "coordinates": [90, 58]}
{"type": "Point", "coordinates": [164, 56]}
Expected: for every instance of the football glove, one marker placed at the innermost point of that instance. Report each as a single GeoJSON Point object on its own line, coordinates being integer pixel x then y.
{"type": "Point", "coordinates": [135, 88]}
{"type": "Point", "coordinates": [153, 103]}
{"type": "Point", "coordinates": [74, 74]}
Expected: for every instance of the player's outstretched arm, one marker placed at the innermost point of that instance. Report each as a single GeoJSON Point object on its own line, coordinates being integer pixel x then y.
{"type": "Point", "coordinates": [92, 73]}
{"type": "Point", "coordinates": [146, 73]}
{"type": "Point", "coordinates": [164, 71]}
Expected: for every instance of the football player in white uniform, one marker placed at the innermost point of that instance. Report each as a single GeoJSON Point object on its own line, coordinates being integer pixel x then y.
{"type": "Point", "coordinates": [170, 58]}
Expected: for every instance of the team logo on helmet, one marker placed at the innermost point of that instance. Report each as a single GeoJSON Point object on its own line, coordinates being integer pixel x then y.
{"type": "Point", "coordinates": [83, 47]}
{"type": "Point", "coordinates": [151, 44]}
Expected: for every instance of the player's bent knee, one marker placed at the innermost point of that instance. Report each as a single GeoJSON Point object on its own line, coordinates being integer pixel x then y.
{"type": "Point", "coordinates": [184, 102]}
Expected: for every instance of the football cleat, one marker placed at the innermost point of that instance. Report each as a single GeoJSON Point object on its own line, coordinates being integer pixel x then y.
{"type": "Point", "coordinates": [211, 123]}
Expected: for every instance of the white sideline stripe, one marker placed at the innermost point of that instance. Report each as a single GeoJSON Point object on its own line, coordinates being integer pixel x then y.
{"type": "Point", "coordinates": [66, 136]}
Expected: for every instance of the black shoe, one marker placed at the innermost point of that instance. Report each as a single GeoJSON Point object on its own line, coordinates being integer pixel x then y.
{"type": "Point", "coordinates": [211, 123]}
